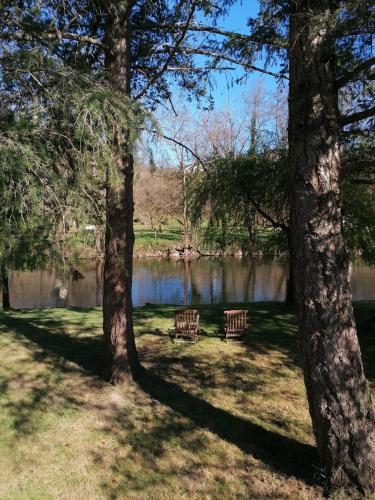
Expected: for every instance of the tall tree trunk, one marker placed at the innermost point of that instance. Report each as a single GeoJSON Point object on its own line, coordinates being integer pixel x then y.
{"type": "Point", "coordinates": [290, 294]}
{"type": "Point", "coordinates": [186, 280]}
{"type": "Point", "coordinates": [5, 286]}
{"type": "Point", "coordinates": [185, 201]}
{"type": "Point", "coordinates": [340, 406]}
{"type": "Point", "coordinates": [98, 283]}
{"type": "Point", "coordinates": [121, 355]}
{"type": "Point", "coordinates": [98, 240]}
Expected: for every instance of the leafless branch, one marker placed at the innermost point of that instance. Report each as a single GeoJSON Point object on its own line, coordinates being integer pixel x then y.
{"type": "Point", "coordinates": [175, 141]}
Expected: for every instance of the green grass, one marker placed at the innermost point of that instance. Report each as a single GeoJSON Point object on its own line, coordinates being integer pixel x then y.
{"type": "Point", "coordinates": [210, 420]}
{"type": "Point", "coordinates": [171, 237]}
{"type": "Point", "coordinates": [146, 242]}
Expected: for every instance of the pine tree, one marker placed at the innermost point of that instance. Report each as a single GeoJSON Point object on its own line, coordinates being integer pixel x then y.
{"type": "Point", "coordinates": [340, 407]}
{"type": "Point", "coordinates": [129, 45]}
{"type": "Point", "coordinates": [325, 49]}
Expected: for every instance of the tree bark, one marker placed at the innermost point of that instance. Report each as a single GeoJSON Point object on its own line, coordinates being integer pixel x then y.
{"type": "Point", "coordinates": [185, 201]}
{"type": "Point", "coordinates": [98, 241]}
{"type": "Point", "coordinates": [289, 293]}
{"type": "Point", "coordinates": [340, 406]}
{"type": "Point", "coordinates": [121, 361]}
{"type": "Point", "coordinates": [290, 284]}
{"type": "Point", "coordinates": [5, 287]}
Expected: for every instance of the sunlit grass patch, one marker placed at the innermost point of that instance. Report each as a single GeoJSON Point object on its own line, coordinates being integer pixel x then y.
{"type": "Point", "coordinates": [148, 241]}
{"type": "Point", "coordinates": [210, 420]}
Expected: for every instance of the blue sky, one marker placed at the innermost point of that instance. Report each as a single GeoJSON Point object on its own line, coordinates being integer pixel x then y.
{"type": "Point", "coordinates": [225, 91]}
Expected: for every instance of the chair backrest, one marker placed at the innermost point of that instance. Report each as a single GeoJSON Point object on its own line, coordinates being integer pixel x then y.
{"type": "Point", "coordinates": [236, 320]}
{"type": "Point", "coordinates": [187, 319]}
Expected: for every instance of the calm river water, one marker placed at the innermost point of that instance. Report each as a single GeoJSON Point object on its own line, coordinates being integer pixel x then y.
{"type": "Point", "coordinates": [163, 281]}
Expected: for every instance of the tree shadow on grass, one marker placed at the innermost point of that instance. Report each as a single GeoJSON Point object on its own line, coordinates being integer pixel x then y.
{"type": "Point", "coordinates": [283, 454]}
{"type": "Point", "coordinates": [86, 352]}
{"type": "Point", "coordinates": [205, 373]}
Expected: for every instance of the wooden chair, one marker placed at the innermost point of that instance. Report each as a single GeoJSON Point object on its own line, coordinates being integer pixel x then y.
{"type": "Point", "coordinates": [235, 323]}
{"type": "Point", "coordinates": [186, 324]}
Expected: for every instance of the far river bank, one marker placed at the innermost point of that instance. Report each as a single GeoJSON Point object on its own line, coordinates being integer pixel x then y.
{"type": "Point", "coordinates": [207, 280]}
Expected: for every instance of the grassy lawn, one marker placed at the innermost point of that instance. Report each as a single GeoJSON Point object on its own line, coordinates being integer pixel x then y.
{"type": "Point", "coordinates": [211, 420]}
{"type": "Point", "coordinates": [147, 241]}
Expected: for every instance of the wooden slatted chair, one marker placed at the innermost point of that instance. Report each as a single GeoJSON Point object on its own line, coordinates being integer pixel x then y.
{"type": "Point", "coordinates": [236, 323]}
{"type": "Point", "coordinates": [186, 325]}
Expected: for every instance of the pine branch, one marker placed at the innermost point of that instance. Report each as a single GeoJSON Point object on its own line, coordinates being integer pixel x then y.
{"type": "Point", "coordinates": [21, 36]}
{"type": "Point", "coordinates": [185, 69]}
{"type": "Point", "coordinates": [253, 38]}
{"type": "Point", "coordinates": [79, 38]}
{"type": "Point", "coordinates": [198, 70]}
{"type": "Point", "coordinates": [226, 57]}
{"type": "Point", "coordinates": [270, 219]}
{"type": "Point", "coordinates": [173, 52]}
{"type": "Point", "coordinates": [363, 182]}
{"type": "Point", "coordinates": [353, 165]}
{"type": "Point", "coordinates": [353, 74]}
{"type": "Point", "coordinates": [356, 117]}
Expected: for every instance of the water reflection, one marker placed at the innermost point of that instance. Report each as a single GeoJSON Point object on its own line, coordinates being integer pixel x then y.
{"type": "Point", "coordinates": [163, 281]}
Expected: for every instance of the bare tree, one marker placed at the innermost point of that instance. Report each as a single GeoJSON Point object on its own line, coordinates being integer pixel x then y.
{"type": "Point", "coordinates": [158, 196]}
